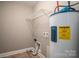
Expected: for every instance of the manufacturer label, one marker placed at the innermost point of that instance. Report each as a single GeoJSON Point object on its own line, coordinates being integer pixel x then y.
{"type": "Point", "coordinates": [64, 32]}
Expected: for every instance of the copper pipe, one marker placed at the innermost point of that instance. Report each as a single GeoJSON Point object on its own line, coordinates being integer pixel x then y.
{"type": "Point", "coordinates": [58, 5]}
{"type": "Point", "coordinates": [69, 3]}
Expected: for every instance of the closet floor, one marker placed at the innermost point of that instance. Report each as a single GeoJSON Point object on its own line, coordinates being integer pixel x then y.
{"type": "Point", "coordinates": [23, 55]}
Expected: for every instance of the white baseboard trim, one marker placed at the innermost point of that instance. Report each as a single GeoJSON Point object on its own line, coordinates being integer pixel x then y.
{"type": "Point", "coordinates": [20, 51]}
{"type": "Point", "coordinates": [15, 52]}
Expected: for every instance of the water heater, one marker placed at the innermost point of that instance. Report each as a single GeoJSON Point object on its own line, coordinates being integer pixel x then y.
{"type": "Point", "coordinates": [64, 34]}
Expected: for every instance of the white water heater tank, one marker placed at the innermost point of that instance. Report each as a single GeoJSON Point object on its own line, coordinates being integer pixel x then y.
{"type": "Point", "coordinates": [64, 35]}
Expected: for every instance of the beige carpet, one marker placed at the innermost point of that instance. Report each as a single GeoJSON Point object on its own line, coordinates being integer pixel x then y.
{"type": "Point", "coordinates": [23, 55]}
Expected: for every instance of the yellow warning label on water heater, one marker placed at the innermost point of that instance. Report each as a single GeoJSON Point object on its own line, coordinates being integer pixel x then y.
{"type": "Point", "coordinates": [64, 32]}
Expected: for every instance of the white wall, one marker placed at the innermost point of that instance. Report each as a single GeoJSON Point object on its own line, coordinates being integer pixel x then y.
{"type": "Point", "coordinates": [39, 30]}
{"type": "Point", "coordinates": [15, 26]}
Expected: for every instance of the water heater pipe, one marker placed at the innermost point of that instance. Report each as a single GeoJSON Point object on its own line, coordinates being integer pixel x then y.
{"type": "Point", "coordinates": [66, 6]}
{"type": "Point", "coordinates": [69, 4]}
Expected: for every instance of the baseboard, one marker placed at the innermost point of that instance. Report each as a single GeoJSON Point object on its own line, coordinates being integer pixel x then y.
{"type": "Point", "coordinates": [20, 51]}
{"type": "Point", "coordinates": [15, 52]}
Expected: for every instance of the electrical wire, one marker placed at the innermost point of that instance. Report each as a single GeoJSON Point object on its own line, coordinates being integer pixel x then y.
{"type": "Point", "coordinates": [65, 6]}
